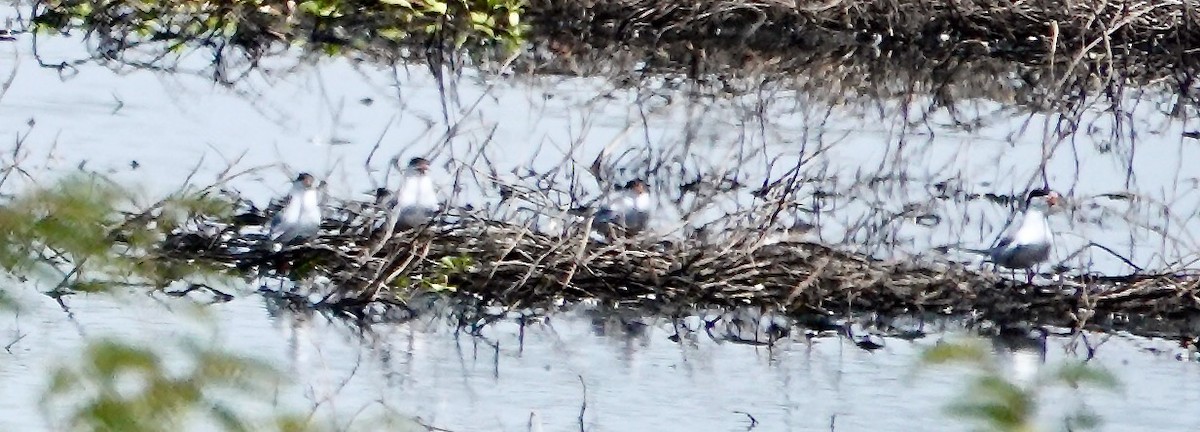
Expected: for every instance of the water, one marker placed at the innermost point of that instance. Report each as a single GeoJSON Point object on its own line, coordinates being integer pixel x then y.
{"type": "Point", "coordinates": [327, 117]}
{"type": "Point", "coordinates": [635, 381]}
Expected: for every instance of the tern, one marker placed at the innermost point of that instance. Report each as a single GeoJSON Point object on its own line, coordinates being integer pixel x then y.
{"type": "Point", "coordinates": [1030, 243]}
{"type": "Point", "coordinates": [629, 212]}
{"type": "Point", "coordinates": [300, 217]}
{"type": "Point", "coordinates": [417, 202]}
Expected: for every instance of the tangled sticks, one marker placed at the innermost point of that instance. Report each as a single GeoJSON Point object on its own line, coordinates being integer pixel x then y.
{"type": "Point", "coordinates": [501, 263]}
{"type": "Point", "coordinates": [1039, 26]}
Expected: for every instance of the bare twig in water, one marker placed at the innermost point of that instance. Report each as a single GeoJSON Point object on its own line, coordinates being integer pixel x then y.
{"type": "Point", "coordinates": [17, 329]}
{"type": "Point", "coordinates": [583, 403]}
{"type": "Point", "coordinates": [8, 348]}
{"type": "Point", "coordinates": [753, 421]}
{"type": "Point", "coordinates": [11, 76]}
{"type": "Point", "coordinates": [429, 427]}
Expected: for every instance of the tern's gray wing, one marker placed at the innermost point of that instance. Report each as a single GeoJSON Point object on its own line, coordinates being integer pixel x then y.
{"type": "Point", "coordinates": [276, 210]}
{"type": "Point", "coordinates": [285, 236]}
{"type": "Point", "coordinates": [296, 234]}
{"type": "Point", "coordinates": [1023, 256]}
{"type": "Point", "coordinates": [637, 220]}
{"type": "Point", "coordinates": [412, 217]}
{"type": "Point", "coordinates": [606, 215]}
{"type": "Point", "coordinates": [278, 205]}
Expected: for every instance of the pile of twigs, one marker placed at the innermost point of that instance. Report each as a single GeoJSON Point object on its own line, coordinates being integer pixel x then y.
{"type": "Point", "coordinates": [498, 263]}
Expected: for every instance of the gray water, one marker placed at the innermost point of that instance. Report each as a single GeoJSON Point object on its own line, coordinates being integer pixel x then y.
{"type": "Point", "coordinates": [325, 118]}
{"type": "Point", "coordinates": [635, 381]}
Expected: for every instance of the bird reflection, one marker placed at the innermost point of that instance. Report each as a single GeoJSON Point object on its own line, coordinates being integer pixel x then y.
{"type": "Point", "coordinates": [1024, 349]}
{"type": "Point", "coordinates": [294, 324]}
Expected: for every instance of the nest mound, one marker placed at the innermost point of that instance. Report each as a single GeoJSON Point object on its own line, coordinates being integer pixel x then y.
{"type": "Point", "coordinates": [498, 263]}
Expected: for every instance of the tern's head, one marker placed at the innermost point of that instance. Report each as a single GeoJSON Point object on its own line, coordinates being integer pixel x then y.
{"type": "Point", "coordinates": [305, 180]}
{"type": "Point", "coordinates": [1042, 199]}
{"type": "Point", "coordinates": [637, 186]}
{"type": "Point", "coordinates": [418, 165]}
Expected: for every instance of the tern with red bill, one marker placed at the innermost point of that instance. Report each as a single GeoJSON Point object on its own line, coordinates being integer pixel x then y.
{"type": "Point", "coordinates": [1028, 244]}
{"type": "Point", "coordinates": [630, 211]}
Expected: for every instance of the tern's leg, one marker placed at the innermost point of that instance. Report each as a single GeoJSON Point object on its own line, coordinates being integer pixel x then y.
{"type": "Point", "coordinates": [282, 269]}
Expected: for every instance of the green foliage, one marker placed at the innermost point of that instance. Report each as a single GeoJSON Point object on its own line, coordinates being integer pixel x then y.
{"type": "Point", "coordinates": [64, 223]}
{"type": "Point", "coordinates": [454, 266]}
{"type": "Point", "coordinates": [184, 206]}
{"type": "Point", "coordinates": [76, 233]}
{"type": "Point", "coordinates": [999, 404]}
{"type": "Point", "coordinates": [327, 26]}
{"type": "Point", "coordinates": [118, 387]}
{"type": "Point", "coordinates": [440, 280]}
{"type": "Point", "coordinates": [7, 303]}
{"type": "Point", "coordinates": [445, 269]}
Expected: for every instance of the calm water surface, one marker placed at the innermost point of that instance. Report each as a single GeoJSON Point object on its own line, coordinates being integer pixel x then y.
{"type": "Point", "coordinates": [635, 381]}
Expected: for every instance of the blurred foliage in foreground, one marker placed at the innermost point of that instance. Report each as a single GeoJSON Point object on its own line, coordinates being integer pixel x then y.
{"type": "Point", "coordinates": [256, 26]}
{"type": "Point", "coordinates": [80, 233]}
{"type": "Point", "coordinates": [997, 403]}
{"type": "Point", "coordinates": [117, 387]}
{"type": "Point", "coordinates": [80, 230]}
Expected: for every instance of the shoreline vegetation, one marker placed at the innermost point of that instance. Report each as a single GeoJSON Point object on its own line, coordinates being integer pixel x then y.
{"type": "Point", "coordinates": [1025, 30]}
{"type": "Point", "coordinates": [1126, 39]}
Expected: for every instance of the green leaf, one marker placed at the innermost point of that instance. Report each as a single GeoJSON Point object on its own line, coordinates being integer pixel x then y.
{"type": "Point", "coordinates": [308, 6]}
{"type": "Point", "coordinates": [95, 390]}
{"type": "Point", "coordinates": [1077, 373]}
{"type": "Point", "coordinates": [230, 28]}
{"type": "Point", "coordinates": [951, 352]}
{"type": "Point", "coordinates": [438, 7]}
{"type": "Point", "coordinates": [997, 403]}
{"type": "Point", "coordinates": [110, 357]}
{"type": "Point", "coordinates": [437, 287]}
{"type": "Point", "coordinates": [392, 34]}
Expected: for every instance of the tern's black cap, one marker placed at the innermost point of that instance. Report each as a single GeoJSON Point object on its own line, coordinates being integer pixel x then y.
{"type": "Point", "coordinates": [305, 178]}
{"type": "Point", "coordinates": [1040, 193]}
